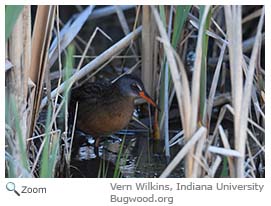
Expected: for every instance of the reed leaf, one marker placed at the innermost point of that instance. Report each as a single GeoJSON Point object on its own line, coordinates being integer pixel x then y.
{"type": "Point", "coordinates": [162, 13]}
{"type": "Point", "coordinates": [203, 75]}
{"type": "Point", "coordinates": [179, 20]}
{"type": "Point", "coordinates": [12, 12]}
{"type": "Point", "coordinates": [117, 170]}
{"type": "Point", "coordinates": [45, 158]}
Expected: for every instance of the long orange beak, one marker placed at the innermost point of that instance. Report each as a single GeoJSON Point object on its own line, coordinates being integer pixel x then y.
{"type": "Point", "coordinates": [145, 96]}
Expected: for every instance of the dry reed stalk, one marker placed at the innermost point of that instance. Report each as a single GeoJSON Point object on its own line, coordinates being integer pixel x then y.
{"type": "Point", "coordinates": [174, 70]}
{"type": "Point", "coordinates": [125, 28]}
{"type": "Point", "coordinates": [195, 94]}
{"type": "Point", "coordinates": [223, 151]}
{"type": "Point", "coordinates": [176, 139]}
{"type": "Point", "coordinates": [250, 163]}
{"type": "Point", "coordinates": [108, 10]}
{"type": "Point", "coordinates": [252, 15]}
{"type": "Point", "coordinates": [68, 33]}
{"type": "Point", "coordinates": [247, 98]}
{"type": "Point", "coordinates": [207, 32]}
{"type": "Point", "coordinates": [109, 53]}
{"type": "Point", "coordinates": [88, 45]}
{"type": "Point", "coordinates": [166, 91]}
{"type": "Point", "coordinates": [214, 167]}
{"type": "Point", "coordinates": [210, 101]}
{"type": "Point", "coordinates": [250, 134]}
{"type": "Point", "coordinates": [122, 20]}
{"type": "Point", "coordinates": [221, 115]}
{"type": "Point", "coordinates": [200, 133]}
{"type": "Point", "coordinates": [83, 56]}
{"type": "Point", "coordinates": [59, 60]}
{"type": "Point", "coordinates": [218, 128]}
{"type": "Point", "coordinates": [226, 145]}
{"type": "Point", "coordinates": [198, 156]}
{"type": "Point", "coordinates": [40, 45]}
{"type": "Point", "coordinates": [234, 32]}
{"type": "Point", "coordinates": [19, 47]}
{"type": "Point", "coordinates": [181, 84]}
{"type": "Point", "coordinates": [148, 42]}
{"type": "Point", "coordinates": [241, 96]}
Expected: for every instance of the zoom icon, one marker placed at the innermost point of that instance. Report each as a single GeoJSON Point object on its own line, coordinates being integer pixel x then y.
{"type": "Point", "coordinates": [11, 187]}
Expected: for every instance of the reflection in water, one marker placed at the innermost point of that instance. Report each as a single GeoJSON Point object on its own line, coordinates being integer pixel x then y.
{"type": "Point", "coordinates": [140, 157]}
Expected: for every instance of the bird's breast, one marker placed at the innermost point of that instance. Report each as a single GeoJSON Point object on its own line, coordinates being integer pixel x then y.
{"type": "Point", "coordinates": [107, 118]}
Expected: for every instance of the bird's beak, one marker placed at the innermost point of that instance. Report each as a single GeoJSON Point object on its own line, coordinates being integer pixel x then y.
{"type": "Point", "coordinates": [145, 96]}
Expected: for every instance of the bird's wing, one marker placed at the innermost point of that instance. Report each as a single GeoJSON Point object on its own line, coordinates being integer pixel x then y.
{"type": "Point", "coordinates": [89, 91]}
{"type": "Point", "coordinates": [86, 94]}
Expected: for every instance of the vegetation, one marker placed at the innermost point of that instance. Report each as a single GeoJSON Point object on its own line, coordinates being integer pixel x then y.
{"type": "Point", "coordinates": [204, 65]}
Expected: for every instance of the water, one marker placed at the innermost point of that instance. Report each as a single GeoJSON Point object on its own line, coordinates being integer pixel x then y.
{"type": "Point", "coordinates": [140, 157]}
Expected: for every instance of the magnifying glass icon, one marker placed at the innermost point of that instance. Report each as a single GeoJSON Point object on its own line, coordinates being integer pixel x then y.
{"type": "Point", "coordinates": [11, 187]}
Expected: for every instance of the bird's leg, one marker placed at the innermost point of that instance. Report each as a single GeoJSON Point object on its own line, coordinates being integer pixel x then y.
{"type": "Point", "coordinates": [96, 146]}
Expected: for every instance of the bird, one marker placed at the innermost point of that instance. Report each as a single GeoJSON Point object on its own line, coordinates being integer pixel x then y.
{"type": "Point", "coordinates": [104, 108]}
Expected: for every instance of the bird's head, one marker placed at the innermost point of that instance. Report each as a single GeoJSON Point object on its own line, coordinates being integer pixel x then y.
{"type": "Point", "coordinates": [132, 86]}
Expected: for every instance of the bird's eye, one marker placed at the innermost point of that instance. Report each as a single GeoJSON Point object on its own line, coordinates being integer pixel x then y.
{"type": "Point", "coordinates": [136, 87]}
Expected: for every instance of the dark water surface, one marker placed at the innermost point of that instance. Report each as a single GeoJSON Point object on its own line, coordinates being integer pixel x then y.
{"type": "Point", "coordinates": [140, 157]}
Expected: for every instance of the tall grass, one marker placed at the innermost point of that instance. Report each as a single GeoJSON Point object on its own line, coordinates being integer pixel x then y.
{"type": "Point", "coordinates": [225, 54]}
{"type": "Point", "coordinates": [44, 53]}
{"type": "Point", "coordinates": [199, 113]}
